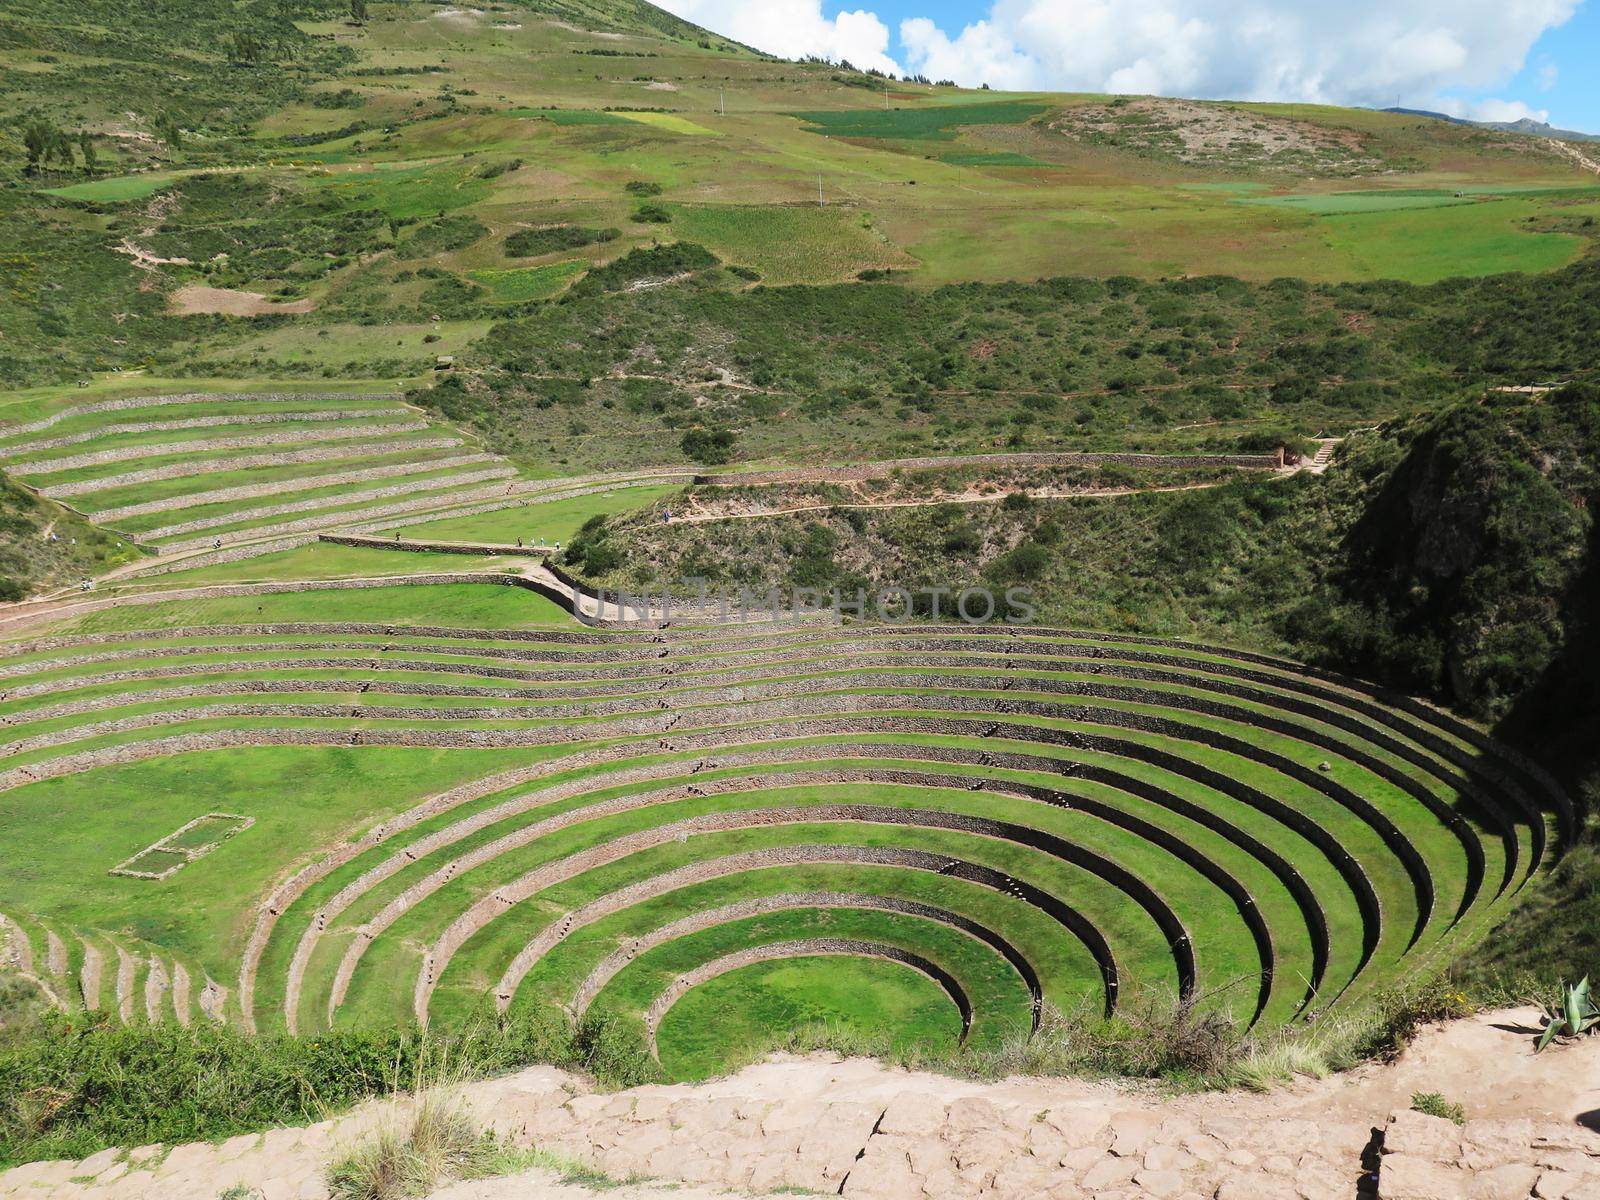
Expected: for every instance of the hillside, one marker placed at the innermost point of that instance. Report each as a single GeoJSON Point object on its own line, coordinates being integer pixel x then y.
{"type": "Point", "coordinates": [331, 181]}
{"type": "Point", "coordinates": [350, 355]}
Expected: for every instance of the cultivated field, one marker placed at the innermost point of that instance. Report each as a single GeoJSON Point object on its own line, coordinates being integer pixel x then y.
{"type": "Point", "coordinates": [502, 811]}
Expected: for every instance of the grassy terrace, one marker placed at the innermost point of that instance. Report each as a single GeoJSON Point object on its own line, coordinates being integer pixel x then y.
{"type": "Point", "coordinates": [1113, 818]}
{"type": "Point", "coordinates": [179, 470]}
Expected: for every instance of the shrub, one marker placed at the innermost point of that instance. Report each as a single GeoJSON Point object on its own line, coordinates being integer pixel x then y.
{"type": "Point", "coordinates": [1434, 1105]}
{"type": "Point", "coordinates": [84, 1083]}
{"type": "Point", "coordinates": [441, 1142]}
{"type": "Point", "coordinates": [531, 243]}
{"type": "Point", "coordinates": [652, 214]}
{"type": "Point", "coordinates": [641, 187]}
{"type": "Point", "coordinates": [710, 446]}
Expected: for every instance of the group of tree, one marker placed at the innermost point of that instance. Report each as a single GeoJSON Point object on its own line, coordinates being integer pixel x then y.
{"type": "Point", "coordinates": [43, 141]}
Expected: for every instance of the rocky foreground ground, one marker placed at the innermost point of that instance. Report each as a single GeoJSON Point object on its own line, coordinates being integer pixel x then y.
{"type": "Point", "coordinates": [858, 1129]}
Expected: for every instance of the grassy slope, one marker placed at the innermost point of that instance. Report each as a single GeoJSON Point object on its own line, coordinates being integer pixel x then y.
{"type": "Point", "coordinates": [343, 138]}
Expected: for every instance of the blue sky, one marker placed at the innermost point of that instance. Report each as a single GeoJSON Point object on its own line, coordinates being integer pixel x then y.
{"type": "Point", "coordinates": [1486, 59]}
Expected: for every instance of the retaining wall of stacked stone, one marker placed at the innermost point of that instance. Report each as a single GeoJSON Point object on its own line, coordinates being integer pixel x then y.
{"type": "Point", "coordinates": [236, 462]}
{"type": "Point", "coordinates": [244, 441]}
{"type": "Point", "coordinates": [1061, 458]}
{"type": "Point", "coordinates": [1496, 791]}
{"type": "Point", "coordinates": [484, 911]}
{"type": "Point", "coordinates": [409, 488]}
{"type": "Point", "coordinates": [767, 710]}
{"type": "Point", "coordinates": [425, 547]}
{"type": "Point", "coordinates": [741, 910]}
{"type": "Point", "coordinates": [303, 483]}
{"type": "Point", "coordinates": [423, 504]}
{"type": "Point", "coordinates": [125, 427]}
{"type": "Point", "coordinates": [124, 404]}
{"type": "Point", "coordinates": [229, 554]}
{"type": "Point", "coordinates": [531, 492]}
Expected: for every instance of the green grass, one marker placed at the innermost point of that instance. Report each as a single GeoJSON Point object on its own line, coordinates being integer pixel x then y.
{"type": "Point", "coordinates": [1341, 203]}
{"type": "Point", "coordinates": [792, 244]}
{"type": "Point", "coordinates": [324, 560]}
{"type": "Point", "coordinates": [737, 1015]}
{"type": "Point", "coordinates": [118, 189]}
{"type": "Point", "coordinates": [933, 123]}
{"type": "Point", "coordinates": [472, 605]}
{"type": "Point", "coordinates": [1464, 240]}
{"type": "Point", "coordinates": [553, 521]}
{"type": "Point", "coordinates": [202, 911]}
{"type": "Point", "coordinates": [518, 285]}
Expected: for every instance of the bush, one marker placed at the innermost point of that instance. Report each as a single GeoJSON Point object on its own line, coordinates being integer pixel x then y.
{"type": "Point", "coordinates": [653, 262]}
{"type": "Point", "coordinates": [531, 243]}
{"type": "Point", "coordinates": [1434, 1105]}
{"type": "Point", "coordinates": [652, 214]}
{"type": "Point", "coordinates": [83, 1083]}
{"type": "Point", "coordinates": [712, 447]}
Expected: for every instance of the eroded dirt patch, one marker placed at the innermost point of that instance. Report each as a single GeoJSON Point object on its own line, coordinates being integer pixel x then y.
{"type": "Point", "coordinates": [188, 301]}
{"type": "Point", "coordinates": [1219, 134]}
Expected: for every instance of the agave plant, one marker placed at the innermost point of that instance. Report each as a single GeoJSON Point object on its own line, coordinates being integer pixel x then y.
{"type": "Point", "coordinates": [1576, 1015]}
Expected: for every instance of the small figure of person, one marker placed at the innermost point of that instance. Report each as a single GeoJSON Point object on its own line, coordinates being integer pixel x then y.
{"type": "Point", "coordinates": [216, 543]}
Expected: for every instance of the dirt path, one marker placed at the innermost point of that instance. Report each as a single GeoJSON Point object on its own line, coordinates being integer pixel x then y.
{"type": "Point", "coordinates": [964, 498]}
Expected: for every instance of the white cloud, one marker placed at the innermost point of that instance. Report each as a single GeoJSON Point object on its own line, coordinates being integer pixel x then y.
{"type": "Point", "coordinates": [794, 29]}
{"type": "Point", "coordinates": [1549, 76]}
{"type": "Point", "coordinates": [1491, 108]}
{"type": "Point", "coordinates": [1368, 52]}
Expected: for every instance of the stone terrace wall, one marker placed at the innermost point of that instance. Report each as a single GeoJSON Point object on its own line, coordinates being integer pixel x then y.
{"type": "Point", "coordinates": [1062, 458]}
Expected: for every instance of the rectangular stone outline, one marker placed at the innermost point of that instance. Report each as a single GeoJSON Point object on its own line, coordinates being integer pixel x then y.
{"type": "Point", "coordinates": [188, 855]}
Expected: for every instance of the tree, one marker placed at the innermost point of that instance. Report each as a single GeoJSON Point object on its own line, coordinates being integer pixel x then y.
{"type": "Point", "coordinates": [91, 157]}
{"type": "Point", "coordinates": [248, 49]}
{"type": "Point", "coordinates": [358, 11]}
{"type": "Point", "coordinates": [709, 446]}
{"type": "Point", "coordinates": [40, 138]}
{"type": "Point", "coordinates": [170, 132]}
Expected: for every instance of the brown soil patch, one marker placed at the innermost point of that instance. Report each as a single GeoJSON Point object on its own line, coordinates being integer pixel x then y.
{"type": "Point", "coordinates": [1218, 134]}
{"type": "Point", "coordinates": [188, 301]}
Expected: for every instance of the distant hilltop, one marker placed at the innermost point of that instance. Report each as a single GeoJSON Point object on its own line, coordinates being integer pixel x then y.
{"type": "Point", "coordinates": [1525, 125]}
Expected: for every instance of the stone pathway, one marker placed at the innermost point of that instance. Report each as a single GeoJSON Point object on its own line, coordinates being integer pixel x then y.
{"type": "Point", "coordinates": [858, 1129]}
